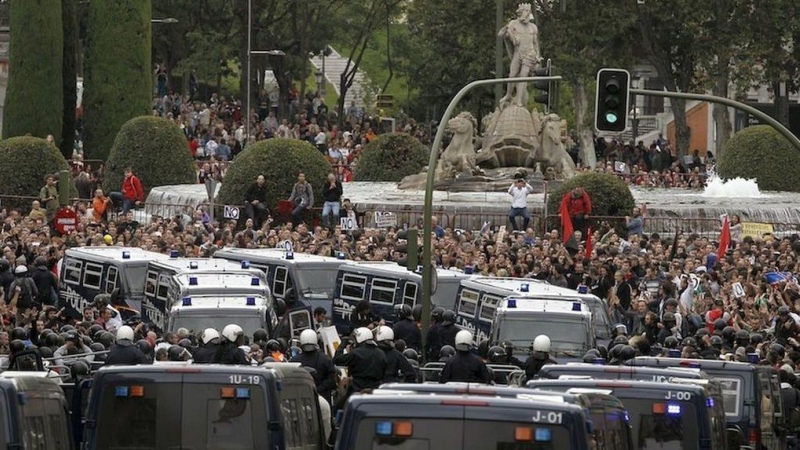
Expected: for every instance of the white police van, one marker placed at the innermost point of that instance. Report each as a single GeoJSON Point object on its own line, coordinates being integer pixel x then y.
{"type": "Point", "coordinates": [387, 286]}
{"type": "Point", "coordinates": [159, 273]}
{"type": "Point", "coordinates": [210, 311]}
{"type": "Point", "coordinates": [479, 296]}
{"type": "Point", "coordinates": [85, 272]}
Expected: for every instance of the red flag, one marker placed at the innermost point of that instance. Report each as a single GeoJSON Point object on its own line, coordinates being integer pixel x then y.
{"type": "Point", "coordinates": [588, 245]}
{"type": "Point", "coordinates": [724, 238]}
{"type": "Point", "coordinates": [566, 222]}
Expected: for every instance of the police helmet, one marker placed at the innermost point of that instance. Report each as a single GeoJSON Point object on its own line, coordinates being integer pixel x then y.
{"type": "Point", "coordinates": [542, 344]}
{"type": "Point", "coordinates": [756, 338]}
{"type": "Point", "coordinates": [671, 342]}
{"type": "Point", "coordinates": [728, 333]}
{"type": "Point", "coordinates": [364, 335]}
{"type": "Point", "coordinates": [185, 343]}
{"type": "Point", "coordinates": [449, 316]}
{"type": "Point", "coordinates": [125, 333]}
{"type": "Point", "coordinates": [308, 340]}
{"type": "Point", "coordinates": [209, 335]}
{"type": "Point", "coordinates": [46, 352]}
{"type": "Point", "coordinates": [51, 340]}
{"type": "Point", "coordinates": [384, 334]}
{"type": "Point", "coordinates": [446, 352]}
{"type": "Point", "coordinates": [669, 320]}
{"type": "Point", "coordinates": [79, 369]}
{"type": "Point", "coordinates": [404, 312]}
{"type": "Point", "coordinates": [589, 358]}
{"type": "Point", "coordinates": [98, 347]}
{"type": "Point", "coordinates": [231, 332]}
{"type": "Point", "coordinates": [67, 327]}
{"type": "Point", "coordinates": [716, 342]}
{"type": "Point", "coordinates": [144, 346]}
{"type": "Point", "coordinates": [273, 346]}
{"type": "Point", "coordinates": [626, 353]}
{"type": "Point", "coordinates": [719, 324]}
{"type": "Point", "coordinates": [436, 314]}
{"type": "Point", "coordinates": [94, 329]}
{"type": "Point", "coordinates": [260, 335]}
{"type": "Point", "coordinates": [16, 346]}
{"type": "Point", "coordinates": [497, 354]}
{"type": "Point", "coordinates": [700, 333]}
{"type": "Point", "coordinates": [463, 341]}
{"type": "Point", "coordinates": [19, 333]}
{"type": "Point", "coordinates": [411, 354]}
{"type": "Point", "coordinates": [603, 350]}
{"type": "Point", "coordinates": [107, 338]}
{"type": "Point", "coordinates": [508, 346]}
{"type": "Point", "coordinates": [742, 337]}
{"type": "Point", "coordinates": [178, 353]}
{"type": "Point", "coordinates": [620, 340]}
{"type": "Point", "coordinates": [483, 349]}
{"type": "Point", "coordinates": [690, 342]}
{"type": "Point", "coordinates": [778, 350]}
{"type": "Point", "coordinates": [416, 313]}
{"type": "Point", "coordinates": [620, 329]}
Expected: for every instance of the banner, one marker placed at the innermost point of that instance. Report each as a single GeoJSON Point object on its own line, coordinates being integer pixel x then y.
{"type": "Point", "coordinates": [330, 339]}
{"type": "Point", "coordinates": [756, 230]}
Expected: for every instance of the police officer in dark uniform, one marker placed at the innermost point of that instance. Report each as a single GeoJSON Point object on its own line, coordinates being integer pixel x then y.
{"type": "Point", "coordinates": [324, 373]}
{"type": "Point", "coordinates": [433, 341]}
{"type": "Point", "coordinates": [229, 351]}
{"type": "Point", "coordinates": [208, 350]}
{"type": "Point", "coordinates": [540, 356]}
{"type": "Point", "coordinates": [398, 369]}
{"type": "Point", "coordinates": [123, 352]}
{"type": "Point", "coordinates": [465, 366]}
{"type": "Point", "coordinates": [508, 346]}
{"type": "Point", "coordinates": [406, 328]}
{"type": "Point", "coordinates": [366, 364]}
{"type": "Point", "coordinates": [449, 330]}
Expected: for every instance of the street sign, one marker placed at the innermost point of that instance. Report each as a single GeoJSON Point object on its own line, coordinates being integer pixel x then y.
{"type": "Point", "coordinates": [65, 220]}
{"type": "Point", "coordinates": [348, 224]}
{"type": "Point", "coordinates": [211, 188]}
{"type": "Point", "coordinates": [231, 212]}
{"type": "Point", "coordinates": [385, 219]}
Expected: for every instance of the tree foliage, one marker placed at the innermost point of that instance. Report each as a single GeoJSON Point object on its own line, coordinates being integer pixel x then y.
{"type": "Point", "coordinates": [155, 149]}
{"type": "Point", "coordinates": [26, 161]}
{"type": "Point", "coordinates": [391, 157]}
{"type": "Point", "coordinates": [610, 195]}
{"type": "Point", "coordinates": [69, 76]}
{"type": "Point", "coordinates": [34, 97]}
{"type": "Point", "coordinates": [753, 153]}
{"type": "Point", "coordinates": [119, 76]}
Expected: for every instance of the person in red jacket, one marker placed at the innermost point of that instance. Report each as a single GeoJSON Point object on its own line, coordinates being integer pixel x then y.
{"type": "Point", "coordinates": [132, 193]}
{"type": "Point", "coordinates": [579, 205]}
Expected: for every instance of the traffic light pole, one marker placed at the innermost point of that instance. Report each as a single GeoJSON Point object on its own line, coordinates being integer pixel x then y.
{"type": "Point", "coordinates": [427, 227]}
{"type": "Point", "coordinates": [727, 102]}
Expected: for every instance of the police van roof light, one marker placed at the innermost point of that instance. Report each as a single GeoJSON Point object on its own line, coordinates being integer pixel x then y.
{"type": "Point", "coordinates": [289, 255]}
{"type": "Point", "coordinates": [245, 264]}
{"type": "Point", "coordinates": [752, 358]}
{"type": "Point", "coordinates": [583, 289]}
{"type": "Point", "coordinates": [468, 270]}
{"type": "Point", "coordinates": [137, 391]}
{"type": "Point", "coordinates": [403, 429]}
{"type": "Point", "coordinates": [523, 434]}
{"type": "Point", "coordinates": [524, 287]}
{"type": "Point", "coordinates": [512, 303]}
{"type": "Point", "coordinates": [599, 361]}
{"type": "Point", "coordinates": [227, 392]}
{"type": "Point", "coordinates": [126, 255]}
{"type": "Point", "coordinates": [543, 435]}
{"type": "Point", "coordinates": [576, 306]}
{"type": "Point", "coordinates": [121, 391]}
{"type": "Point", "coordinates": [674, 353]}
{"type": "Point", "coordinates": [242, 393]}
{"type": "Point", "coordinates": [193, 264]}
{"type": "Point", "coordinates": [251, 301]}
{"type": "Point", "coordinates": [173, 254]}
{"type": "Point", "coordinates": [710, 402]}
{"type": "Point", "coordinates": [673, 409]}
{"type": "Point", "coordinates": [340, 255]}
{"type": "Point", "coordinates": [383, 428]}
{"type": "Point", "coordinates": [192, 281]}
{"type": "Point", "coordinates": [255, 281]}
{"type": "Point", "coordinates": [187, 301]}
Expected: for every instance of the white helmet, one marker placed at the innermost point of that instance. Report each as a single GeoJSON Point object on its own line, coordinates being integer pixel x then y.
{"type": "Point", "coordinates": [463, 341]}
{"type": "Point", "coordinates": [541, 344]}
{"type": "Point", "coordinates": [232, 331]}
{"type": "Point", "coordinates": [209, 334]}
{"type": "Point", "coordinates": [21, 269]}
{"type": "Point", "coordinates": [308, 340]}
{"type": "Point", "coordinates": [364, 334]}
{"type": "Point", "coordinates": [384, 333]}
{"type": "Point", "coordinates": [125, 333]}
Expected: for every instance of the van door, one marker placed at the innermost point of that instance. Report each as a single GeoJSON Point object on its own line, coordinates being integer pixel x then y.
{"type": "Point", "coordinates": [383, 295]}
{"type": "Point", "coordinates": [410, 290]}
{"type": "Point", "coordinates": [467, 308]}
{"type": "Point", "coordinates": [770, 405]}
{"type": "Point", "coordinates": [302, 423]}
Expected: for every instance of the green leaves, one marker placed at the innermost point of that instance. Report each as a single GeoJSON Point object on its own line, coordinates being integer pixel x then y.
{"type": "Point", "coordinates": [26, 161]}
{"type": "Point", "coordinates": [391, 157]}
{"type": "Point", "coordinates": [762, 153]}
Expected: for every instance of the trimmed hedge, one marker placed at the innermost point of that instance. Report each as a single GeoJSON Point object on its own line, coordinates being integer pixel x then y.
{"type": "Point", "coordinates": [279, 160]}
{"type": "Point", "coordinates": [391, 157]}
{"type": "Point", "coordinates": [26, 161]}
{"type": "Point", "coordinates": [34, 97]}
{"type": "Point", "coordinates": [761, 152]}
{"type": "Point", "coordinates": [155, 149]}
{"type": "Point", "coordinates": [610, 196]}
{"type": "Point", "coordinates": [119, 77]}
{"type": "Point", "coordinates": [69, 76]}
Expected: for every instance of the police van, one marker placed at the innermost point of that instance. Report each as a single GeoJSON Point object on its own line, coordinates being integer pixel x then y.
{"type": "Point", "coordinates": [611, 429]}
{"type": "Point", "coordinates": [203, 407]}
{"type": "Point", "coordinates": [159, 273]}
{"type": "Point", "coordinates": [613, 372]}
{"type": "Point", "coordinates": [753, 406]}
{"type": "Point", "coordinates": [681, 414]}
{"type": "Point", "coordinates": [479, 297]}
{"type": "Point", "coordinates": [423, 421]}
{"type": "Point", "coordinates": [87, 271]}
{"type": "Point", "coordinates": [33, 412]}
{"type": "Point", "coordinates": [212, 298]}
{"type": "Point", "coordinates": [301, 280]}
{"type": "Point", "coordinates": [387, 286]}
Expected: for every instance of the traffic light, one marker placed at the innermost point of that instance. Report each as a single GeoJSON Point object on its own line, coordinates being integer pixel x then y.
{"type": "Point", "coordinates": [548, 90]}
{"type": "Point", "coordinates": [385, 101]}
{"type": "Point", "coordinates": [611, 104]}
{"type": "Point", "coordinates": [410, 249]}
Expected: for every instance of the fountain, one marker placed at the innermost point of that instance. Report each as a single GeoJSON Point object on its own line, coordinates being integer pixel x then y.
{"type": "Point", "coordinates": [735, 188]}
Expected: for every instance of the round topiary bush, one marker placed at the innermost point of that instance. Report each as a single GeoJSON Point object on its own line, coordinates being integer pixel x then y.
{"type": "Point", "coordinates": [155, 149]}
{"type": "Point", "coordinates": [279, 160]}
{"type": "Point", "coordinates": [761, 152]}
{"type": "Point", "coordinates": [610, 196]}
{"type": "Point", "coordinates": [391, 157]}
{"type": "Point", "coordinates": [26, 161]}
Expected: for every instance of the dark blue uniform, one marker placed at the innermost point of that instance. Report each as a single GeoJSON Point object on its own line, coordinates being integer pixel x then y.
{"type": "Point", "coordinates": [366, 365]}
{"type": "Point", "coordinates": [408, 331]}
{"type": "Point", "coordinates": [124, 353]}
{"type": "Point", "coordinates": [465, 367]}
{"type": "Point", "coordinates": [325, 376]}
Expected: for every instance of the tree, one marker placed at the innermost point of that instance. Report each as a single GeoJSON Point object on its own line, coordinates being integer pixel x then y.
{"type": "Point", "coordinates": [26, 162]}
{"type": "Point", "coordinates": [34, 97]}
{"type": "Point", "coordinates": [746, 156]}
{"type": "Point", "coordinates": [69, 76]}
{"type": "Point", "coordinates": [119, 79]}
{"type": "Point", "coordinates": [391, 157]}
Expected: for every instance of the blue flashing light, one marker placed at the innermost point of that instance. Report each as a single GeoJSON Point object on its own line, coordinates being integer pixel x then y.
{"type": "Point", "coordinates": [192, 281]}
{"type": "Point", "coordinates": [126, 255]}
{"type": "Point", "coordinates": [468, 270]}
{"type": "Point", "coordinates": [173, 254]}
{"type": "Point", "coordinates": [245, 264]}
{"type": "Point", "coordinates": [524, 287]}
{"type": "Point", "coordinates": [752, 358]}
{"type": "Point", "coordinates": [599, 361]}
{"type": "Point", "coordinates": [121, 391]}
{"type": "Point", "coordinates": [512, 303]}
{"type": "Point", "coordinates": [251, 301]}
{"type": "Point", "coordinates": [340, 255]}
{"type": "Point", "coordinates": [673, 409]}
{"type": "Point", "coordinates": [674, 353]}
{"type": "Point", "coordinates": [289, 255]}
{"type": "Point", "coordinates": [583, 289]}
{"type": "Point", "coordinates": [255, 281]}
{"type": "Point", "coordinates": [193, 264]}
{"type": "Point", "coordinates": [383, 428]}
{"type": "Point", "coordinates": [242, 393]}
{"type": "Point", "coordinates": [710, 402]}
{"type": "Point", "coordinates": [187, 301]}
{"type": "Point", "coordinates": [576, 306]}
{"type": "Point", "coordinates": [543, 435]}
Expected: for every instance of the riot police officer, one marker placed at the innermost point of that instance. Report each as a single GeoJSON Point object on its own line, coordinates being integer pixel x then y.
{"type": "Point", "coordinates": [433, 342]}
{"type": "Point", "coordinates": [406, 328]}
{"type": "Point", "coordinates": [208, 350]}
{"type": "Point", "coordinates": [229, 351]}
{"type": "Point", "coordinates": [398, 369]}
{"type": "Point", "coordinates": [123, 352]}
{"type": "Point", "coordinates": [465, 366]}
{"type": "Point", "coordinates": [324, 373]}
{"type": "Point", "coordinates": [449, 330]}
{"type": "Point", "coordinates": [366, 364]}
{"type": "Point", "coordinates": [540, 356]}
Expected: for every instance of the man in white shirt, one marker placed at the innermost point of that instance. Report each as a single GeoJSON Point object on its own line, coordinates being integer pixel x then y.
{"type": "Point", "coordinates": [519, 203]}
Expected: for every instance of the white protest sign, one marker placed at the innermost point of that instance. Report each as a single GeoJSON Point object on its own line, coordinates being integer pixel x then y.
{"type": "Point", "coordinates": [385, 219]}
{"type": "Point", "coordinates": [738, 290]}
{"type": "Point", "coordinates": [231, 212]}
{"type": "Point", "coordinates": [330, 339]}
{"type": "Point", "coordinates": [348, 223]}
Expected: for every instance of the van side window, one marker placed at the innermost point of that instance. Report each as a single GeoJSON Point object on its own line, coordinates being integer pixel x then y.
{"type": "Point", "coordinates": [72, 271]}
{"type": "Point", "coordinates": [467, 303]}
{"type": "Point", "coordinates": [279, 284]}
{"type": "Point", "coordinates": [488, 307]}
{"type": "Point", "coordinates": [163, 286]}
{"type": "Point", "coordinates": [92, 275]}
{"type": "Point", "coordinates": [300, 320]}
{"type": "Point", "coordinates": [353, 287]}
{"type": "Point", "coordinates": [57, 418]}
{"type": "Point", "coordinates": [301, 425]}
{"type": "Point", "coordinates": [382, 291]}
{"type": "Point", "coordinates": [151, 283]}
{"type": "Point", "coordinates": [34, 429]}
{"type": "Point", "coordinates": [291, 421]}
{"type": "Point", "coordinates": [410, 294]}
{"type": "Point", "coordinates": [111, 279]}
{"type": "Point", "coordinates": [310, 405]}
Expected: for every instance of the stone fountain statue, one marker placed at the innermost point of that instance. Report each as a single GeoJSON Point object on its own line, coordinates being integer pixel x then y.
{"type": "Point", "coordinates": [514, 140]}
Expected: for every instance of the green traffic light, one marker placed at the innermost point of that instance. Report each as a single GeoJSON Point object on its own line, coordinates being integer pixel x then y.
{"type": "Point", "coordinates": [611, 117]}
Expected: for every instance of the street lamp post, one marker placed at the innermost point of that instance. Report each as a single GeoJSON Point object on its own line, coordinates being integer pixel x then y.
{"type": "Point", "coordinates": [250, 51]}
{"type": "Point", "coordinates": [319, 77]}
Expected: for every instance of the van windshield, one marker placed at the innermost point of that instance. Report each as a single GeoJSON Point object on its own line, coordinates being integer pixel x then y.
{"type": "Point", "coordinates": [445, 434]}
{"type": "Point", "coordinates": [141, 415]}
{"type": "Point", "coordinates": [134, 279]}
{"type": "Point", "coordinates": [567, 338]}
{"type": "Point", "coordinates": [317, 280]}
{"type": "Point", "coordinates": [662, 425]}
{"type": "Point", "coordinates": [197, 323]}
